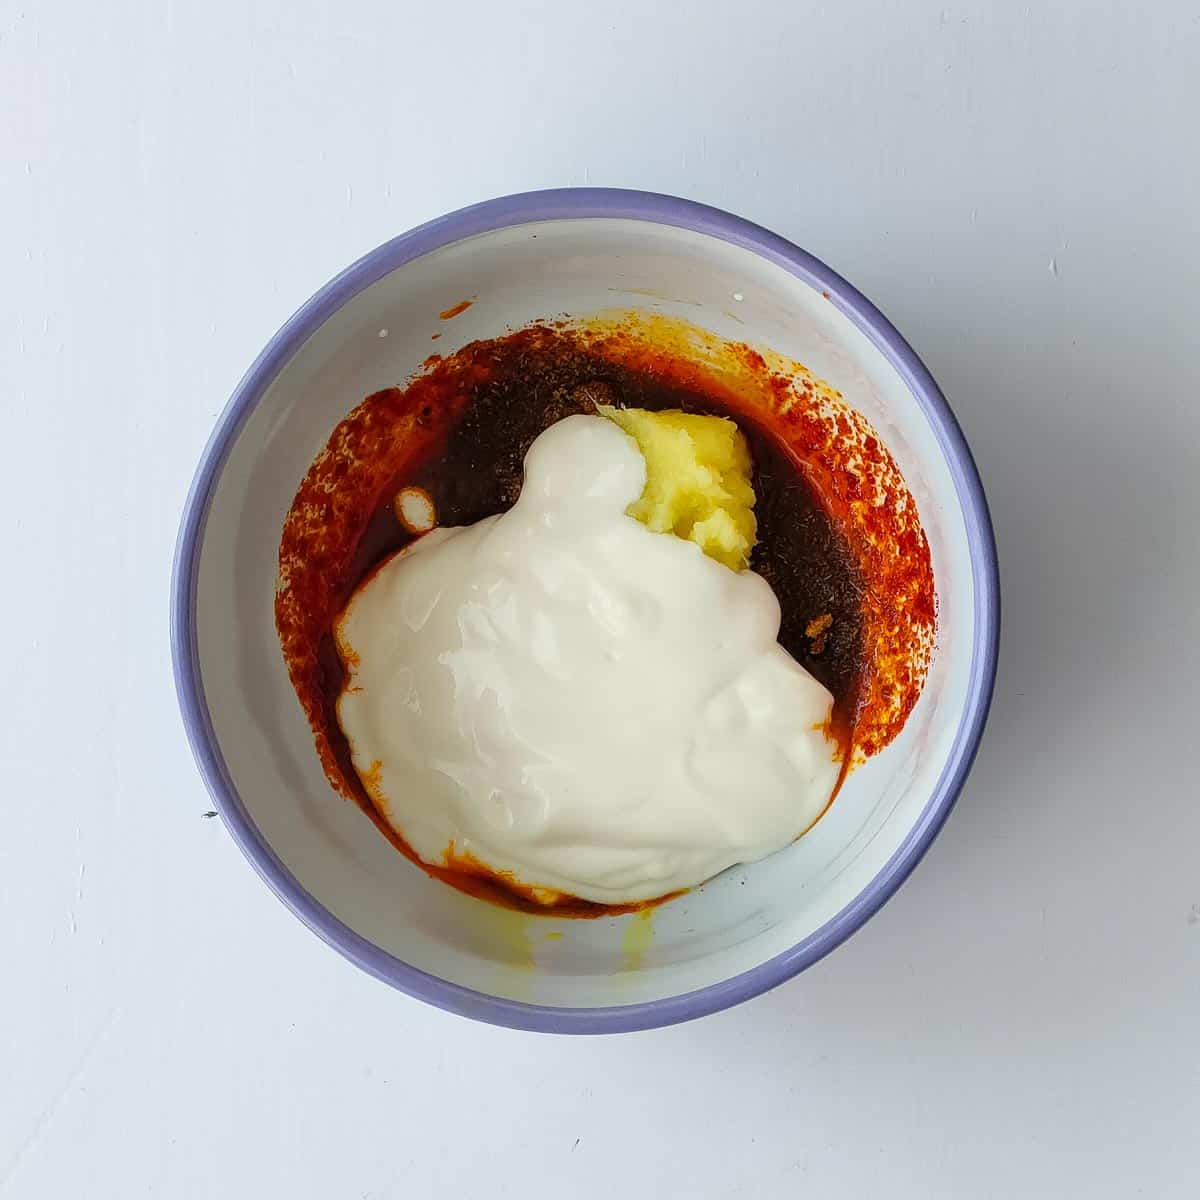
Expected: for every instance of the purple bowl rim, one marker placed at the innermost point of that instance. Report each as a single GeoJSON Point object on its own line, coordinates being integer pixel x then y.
{"type": "Point", "coordinates": [552, 205]}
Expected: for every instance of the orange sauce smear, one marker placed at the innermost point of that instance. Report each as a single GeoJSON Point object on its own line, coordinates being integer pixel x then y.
{"type": "Point", "coordinates": [448, 314]}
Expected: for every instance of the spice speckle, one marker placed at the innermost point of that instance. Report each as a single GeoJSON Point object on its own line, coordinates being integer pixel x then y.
{"type": "Point", "coordinates": [448, 314]}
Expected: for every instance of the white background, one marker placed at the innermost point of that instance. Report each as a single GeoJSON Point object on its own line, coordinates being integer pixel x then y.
{"type": "Point", "coordinates": [1015, 185]}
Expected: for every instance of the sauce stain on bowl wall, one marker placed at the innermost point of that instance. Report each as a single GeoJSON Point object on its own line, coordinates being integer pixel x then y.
{"type": "Point", "coordinates": [455, 310]}
{"type": "Point", "coordinates": [637, 939]}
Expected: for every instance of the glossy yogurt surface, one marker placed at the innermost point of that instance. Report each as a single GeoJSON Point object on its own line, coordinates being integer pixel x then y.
{"type": "Point", "coordinates": [575, 703]}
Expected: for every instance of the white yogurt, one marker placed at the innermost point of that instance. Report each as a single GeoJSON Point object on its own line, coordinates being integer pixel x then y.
{"type": "Point", "coordinates": [571, 699]}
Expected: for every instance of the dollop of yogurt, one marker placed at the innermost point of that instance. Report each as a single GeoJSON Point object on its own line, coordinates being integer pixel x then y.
{"type": "Point", "coordinates": [580, 704]}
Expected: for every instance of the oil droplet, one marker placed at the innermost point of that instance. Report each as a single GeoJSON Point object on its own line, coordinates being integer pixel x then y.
{"type": "Point", "coordinates": [415, 510]}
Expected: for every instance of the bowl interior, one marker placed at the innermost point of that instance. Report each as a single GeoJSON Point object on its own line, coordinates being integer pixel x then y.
{"type": "Point", "coordinates": [734, 923]}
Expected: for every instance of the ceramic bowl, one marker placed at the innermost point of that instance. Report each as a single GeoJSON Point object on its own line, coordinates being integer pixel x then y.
{"type": "Point", "coordinates": [572, 252]}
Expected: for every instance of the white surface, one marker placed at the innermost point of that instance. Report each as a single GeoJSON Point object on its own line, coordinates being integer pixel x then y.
{"type": "Point", "coordinates": [1017, 190]}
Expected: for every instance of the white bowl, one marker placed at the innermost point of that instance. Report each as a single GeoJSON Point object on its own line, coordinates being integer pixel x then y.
{"type": "Point", "coordinates": [522, 257]}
